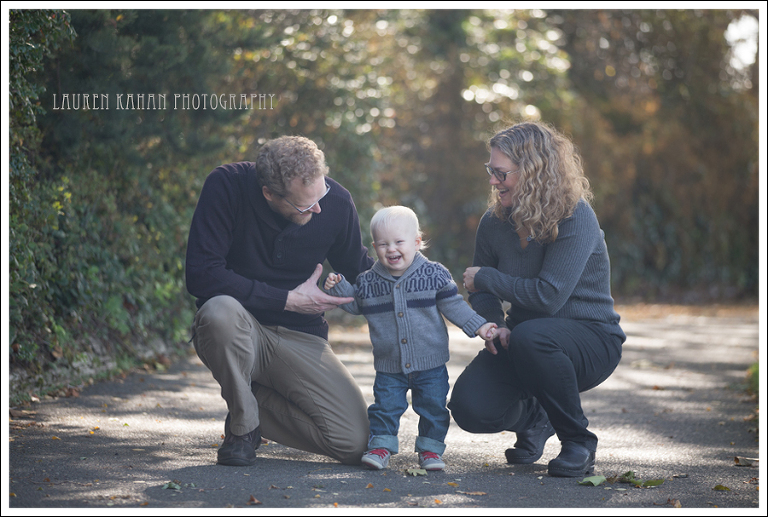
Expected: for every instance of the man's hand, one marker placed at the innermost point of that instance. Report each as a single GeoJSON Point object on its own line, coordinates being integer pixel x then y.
{"type": "Point", "coordinates": [307, 298]}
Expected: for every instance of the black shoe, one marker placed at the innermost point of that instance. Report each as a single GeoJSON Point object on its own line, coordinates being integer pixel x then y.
{"type": "Point", "coordinates": [530, 444]}
{"type": "Point", "coordinates": [239, 451]}
{"type": "Point", "coordinates": [574, 460]}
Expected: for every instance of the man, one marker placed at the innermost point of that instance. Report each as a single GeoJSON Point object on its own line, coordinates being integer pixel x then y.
{"type": "Point", "coordinates": [259, 236]}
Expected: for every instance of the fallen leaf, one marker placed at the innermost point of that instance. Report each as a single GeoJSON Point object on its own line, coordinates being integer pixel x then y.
{"type": "Point", "coordinates": [593, 480]}
{"type": "Point", "coordinates": [370, 485]}
{"type": "Point", "coordinates": [387, 490]}
{"type": "Point", "coordinates": [746, 462]}
{"type": "Point", "coordinates": [450, 483]}
{"type": "Point", "coordinates": [653, 482]}
{"type": "Point", "coordinates": [721, 487]}
{"type": "Point", "coordinates": [471, 493]}
{"type": "Point", "coordinates": [416, 472]}
{"type": "Point", "coordinates": [438, 501]}
{"type": "Point", "coordinates": [171, 486]}
{"type": "Point", "coordinates": [335, 505]}
{"type": "Point", "coordinates": [253, 500]}
{"type": "Point", "coordinates": [55, 438]}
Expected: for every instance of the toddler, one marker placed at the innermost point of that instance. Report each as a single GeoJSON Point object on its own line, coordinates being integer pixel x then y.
{"type": "Point", "coordinates": [403, 297]}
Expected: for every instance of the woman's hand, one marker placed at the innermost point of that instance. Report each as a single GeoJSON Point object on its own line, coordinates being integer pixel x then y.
{"type": "Point", "coordinates": [469, 278]}
{"type": "Point", "coordinates": [502, 334]}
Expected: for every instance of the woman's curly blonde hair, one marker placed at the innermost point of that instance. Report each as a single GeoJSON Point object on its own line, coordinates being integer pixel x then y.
{"type": "Point", "coordinates": [281, 160]}
{"type": "Point", "coordinates": [551, 179]}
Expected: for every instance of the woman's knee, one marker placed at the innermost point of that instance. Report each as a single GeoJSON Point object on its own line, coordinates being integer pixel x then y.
{"type": "Point", "coordinates": [470, 415]}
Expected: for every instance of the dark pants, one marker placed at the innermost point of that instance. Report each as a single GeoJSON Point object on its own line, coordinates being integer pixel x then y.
{"type": "Point", "coordinates": [549, 361]}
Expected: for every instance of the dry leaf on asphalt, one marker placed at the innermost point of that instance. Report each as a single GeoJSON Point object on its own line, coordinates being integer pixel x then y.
{"type": "Point", "coordinates": [746, 462]}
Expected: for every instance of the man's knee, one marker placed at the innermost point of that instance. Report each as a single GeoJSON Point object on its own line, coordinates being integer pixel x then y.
{"type": "Point", "coordinates": [223, 329]}
{"type": "Point", "coordinates": [350, 452]}
{"type": "Point", "coordinates": [221, 317]}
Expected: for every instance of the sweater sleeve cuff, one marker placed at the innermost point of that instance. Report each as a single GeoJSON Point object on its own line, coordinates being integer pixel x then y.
{"type": "Point", "coordinates": [342, 289]}
{"type": "Point", "coordinates": [474, 323]}
{"type": "Point", "coordinates": [268, 297]}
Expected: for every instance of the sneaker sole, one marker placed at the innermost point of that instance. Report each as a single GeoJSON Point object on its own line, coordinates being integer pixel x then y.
{"type": "Point", "coordinates": [372, 466]}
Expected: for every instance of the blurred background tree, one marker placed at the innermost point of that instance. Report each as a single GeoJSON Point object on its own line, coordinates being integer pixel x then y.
{"type": "Point", "coordinates": [402, 102]}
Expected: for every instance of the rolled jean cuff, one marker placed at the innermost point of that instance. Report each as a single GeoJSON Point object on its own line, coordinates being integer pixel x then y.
{"type": "Point", "coordinates": [424, 444]}
{"type": "Point", "coordinates": [384, 441]}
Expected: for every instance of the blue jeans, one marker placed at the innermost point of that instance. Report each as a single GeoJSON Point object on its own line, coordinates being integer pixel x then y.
{"type": "Point", "coordinates": [429, 390]}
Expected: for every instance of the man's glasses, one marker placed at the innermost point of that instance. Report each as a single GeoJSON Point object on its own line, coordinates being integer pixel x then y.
{"type": "Point", "coordinates": [303, 211]}
{"type": "Point", "coordinates": [501, 176]}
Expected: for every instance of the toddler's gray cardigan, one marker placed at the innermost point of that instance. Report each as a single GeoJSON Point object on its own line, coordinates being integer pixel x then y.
{"type": "Point", "coordinates": [407, 330]}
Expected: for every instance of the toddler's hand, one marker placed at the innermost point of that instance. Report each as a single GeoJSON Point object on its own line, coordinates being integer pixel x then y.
{"type": "Point", "coordinates": [332, 280]}
{"type": "Point", "coordinates": [488, 331]}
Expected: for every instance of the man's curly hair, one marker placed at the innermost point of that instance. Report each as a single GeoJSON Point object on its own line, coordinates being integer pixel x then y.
{"type": "Point", "coordinates": [551, 180]}
{"type": "Point", "coordinates": [281, 160]}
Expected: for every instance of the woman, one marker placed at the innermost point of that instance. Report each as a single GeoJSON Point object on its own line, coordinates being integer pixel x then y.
{"type": "Point", "coordinates": [539, 246]}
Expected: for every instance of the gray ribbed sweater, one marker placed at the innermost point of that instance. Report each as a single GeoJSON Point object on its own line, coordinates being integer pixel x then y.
{"type": "Point", "coordinates": [404, 314]}
{"type": "Point", "coordinates": [567, 278]}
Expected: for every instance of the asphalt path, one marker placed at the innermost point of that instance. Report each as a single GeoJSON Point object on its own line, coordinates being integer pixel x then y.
{"type": "Point", "coordinates": [674, 412]}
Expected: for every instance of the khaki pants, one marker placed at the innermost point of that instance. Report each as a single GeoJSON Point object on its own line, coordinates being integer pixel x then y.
{"type": "Point", "coordinates": [288, 382]}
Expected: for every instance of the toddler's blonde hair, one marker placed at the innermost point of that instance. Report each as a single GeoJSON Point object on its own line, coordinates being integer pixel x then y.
{"type": "Point", "coordinates": [397, 214]}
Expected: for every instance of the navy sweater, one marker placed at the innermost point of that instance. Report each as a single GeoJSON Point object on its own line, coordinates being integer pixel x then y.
{"type": "Point", "coordinates": [239, 247]}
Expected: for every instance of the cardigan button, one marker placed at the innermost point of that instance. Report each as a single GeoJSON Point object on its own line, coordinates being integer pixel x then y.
{"type": "Point", "coordinates": [403, 341]}
{"type": "Point", "coordinates": [407, 365]}
{"type": "Point", "coordinates": [400, 314]}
